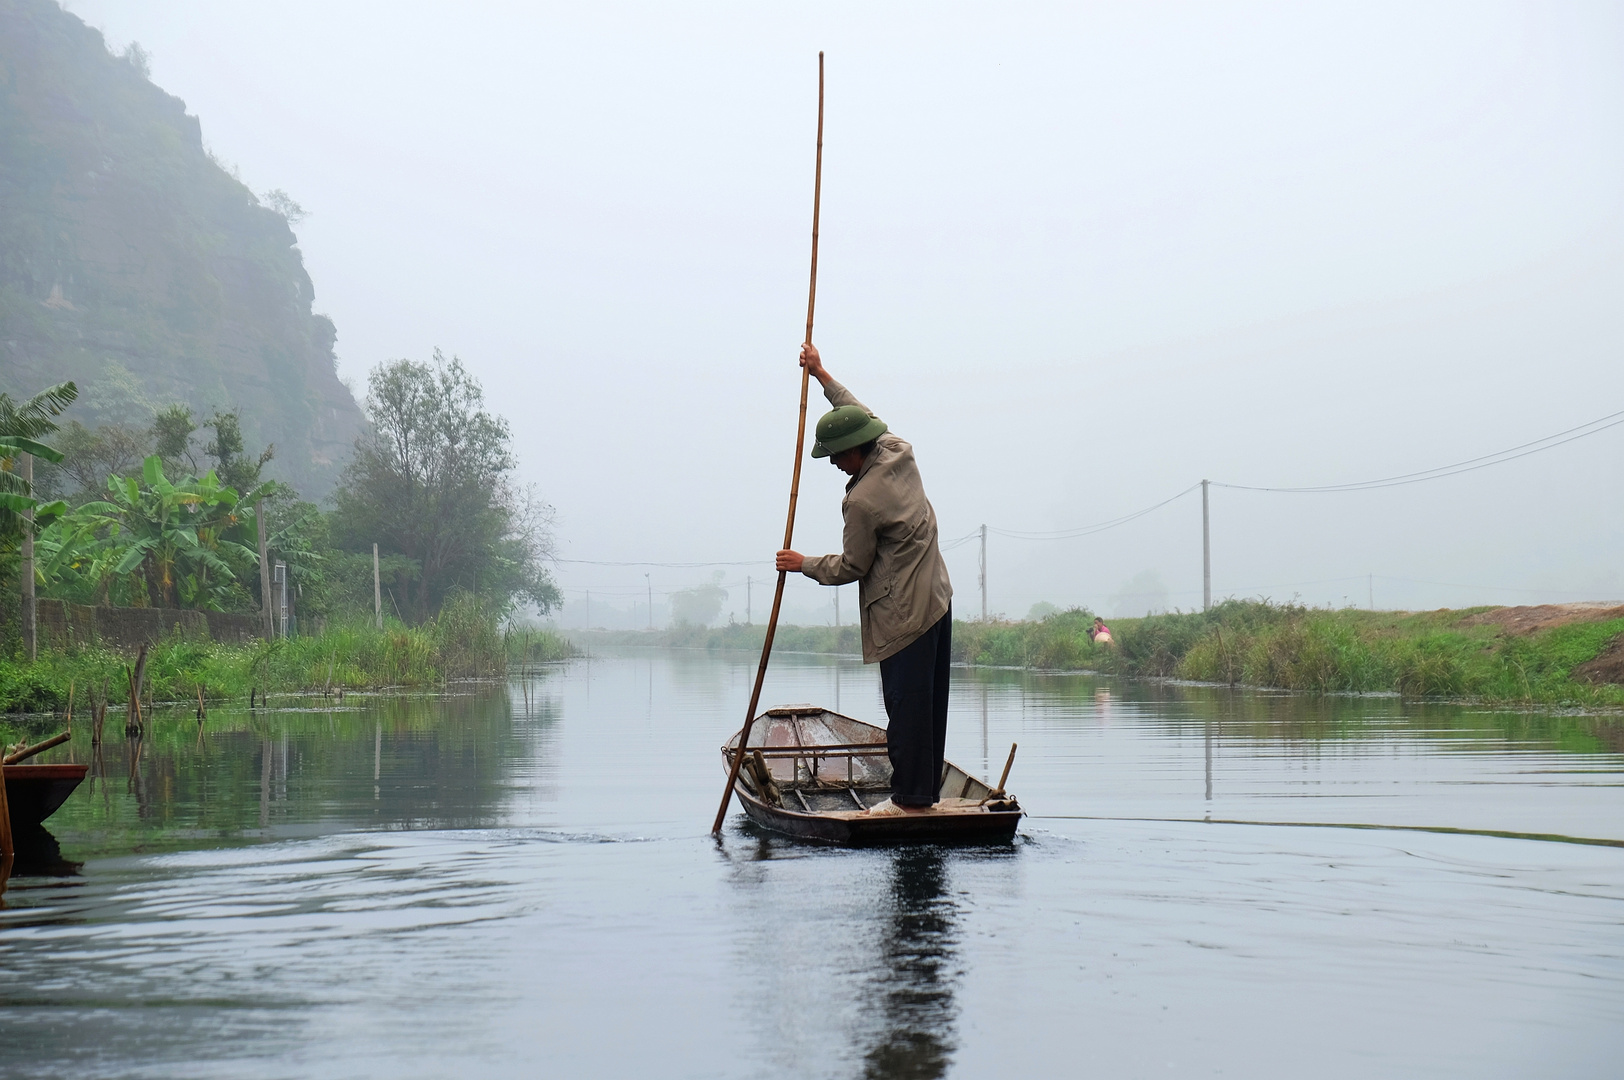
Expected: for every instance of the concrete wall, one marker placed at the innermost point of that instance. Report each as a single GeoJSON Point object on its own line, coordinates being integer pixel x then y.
{"type": "Point", "coordinates": [62, 624]}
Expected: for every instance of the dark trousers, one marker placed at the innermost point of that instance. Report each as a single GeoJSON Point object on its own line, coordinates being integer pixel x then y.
{"type": "Point", "coordinates": [915, 685]}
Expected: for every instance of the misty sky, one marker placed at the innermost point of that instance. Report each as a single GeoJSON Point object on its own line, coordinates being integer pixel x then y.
{"type": "Point", "coordinates": [1080, 255]}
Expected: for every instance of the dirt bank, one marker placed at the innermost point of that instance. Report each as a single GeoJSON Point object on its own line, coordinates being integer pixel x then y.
{"type": "Point", "coordinates": [1606, 668]}
{"type": "Point", "coordinates": [1537, 617]}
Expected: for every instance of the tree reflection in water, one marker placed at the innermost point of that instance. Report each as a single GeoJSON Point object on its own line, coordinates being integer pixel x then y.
{"type": "Point", "coordinates": [918, 954]}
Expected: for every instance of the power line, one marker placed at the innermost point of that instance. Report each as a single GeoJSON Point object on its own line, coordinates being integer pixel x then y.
{"type": "Point", "coordinates": [1549, 442]}
{"type": "Point", "coordinates": [1086, 530]}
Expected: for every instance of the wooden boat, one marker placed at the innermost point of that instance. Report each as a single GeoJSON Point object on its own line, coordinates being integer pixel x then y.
{"type": "Point", "coordinates": [34, 792]}
{"type": "Point", "coordinates": [818, 772]}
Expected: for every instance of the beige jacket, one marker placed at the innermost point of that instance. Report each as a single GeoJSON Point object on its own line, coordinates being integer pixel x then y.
{"type": "Point", "coordinates": [890, 546]}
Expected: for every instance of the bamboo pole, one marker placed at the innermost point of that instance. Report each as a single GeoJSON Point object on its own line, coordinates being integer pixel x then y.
{"type": "Point", "coordinates": [29, 751]}
{"type": "Point", "coordinates": [794, 483]}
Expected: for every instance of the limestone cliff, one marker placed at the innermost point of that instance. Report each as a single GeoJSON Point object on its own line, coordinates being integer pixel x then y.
{"type": "Point", "coordinates": [131, 262]}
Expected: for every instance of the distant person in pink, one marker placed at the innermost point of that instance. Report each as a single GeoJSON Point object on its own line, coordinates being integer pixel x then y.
{"type": "Point", "coordinates": [1099, 633]}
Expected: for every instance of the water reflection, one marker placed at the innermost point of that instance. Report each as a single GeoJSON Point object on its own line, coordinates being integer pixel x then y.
{"type": "Point", "coordinates": [403, 762]}
{"type": "Point", "coordinates": [918, 970]}
{"type": "Point", "coordinates": [278, 887]}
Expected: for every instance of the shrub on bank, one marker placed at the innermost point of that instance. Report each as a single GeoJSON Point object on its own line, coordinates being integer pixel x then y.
{"type": "Point", "coordinates": [463, 641]}
{"type": "Point", "coordinates": [1253, 643]}
{"type": "Point", "coordinates": [1257, 643]}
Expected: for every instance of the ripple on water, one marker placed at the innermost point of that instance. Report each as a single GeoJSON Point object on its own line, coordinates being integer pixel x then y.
{"type": "Point", "coordinates": [502, 887]}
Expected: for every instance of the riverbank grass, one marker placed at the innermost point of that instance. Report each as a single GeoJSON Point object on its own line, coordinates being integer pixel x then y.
{"type": "Point", "coordinates": [463, 641]}
{"type": "Point", "coordinates": [1251, 643]}
{"type": "Point", "coordinates": [1445, 653]}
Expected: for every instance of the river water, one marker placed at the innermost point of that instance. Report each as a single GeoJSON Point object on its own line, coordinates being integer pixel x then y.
{"type": "Point", "coordinates": [518, 880]}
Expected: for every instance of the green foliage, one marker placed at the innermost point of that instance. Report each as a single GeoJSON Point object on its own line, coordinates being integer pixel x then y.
{"type": "Point", "coordinates": [1296, 648]}
{"type": "Point", "coordinates": [22, 425]}
{"type": "Point", "coordinates": [466, 641]}
{"type": "Point", "coordinates": [431, 482]}
{"type": "Point", "coordinates": [234, 467]}
{"type": "Point", "coordinates": [171, 432]}
{"type": "Point", "coordinates": [89, 457]}
{"type": "Point", "coordinates": [525, 645]}
{"type": "Point", "coordinates": [182, 544]}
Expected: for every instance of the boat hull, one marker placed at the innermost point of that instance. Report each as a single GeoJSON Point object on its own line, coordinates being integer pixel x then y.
{"type": "Point", "coordinates": [35, 792]}
{"type": "Point", "coordinates": [827, 769]}
{"type": "Point", "coordinates": [990, 827]}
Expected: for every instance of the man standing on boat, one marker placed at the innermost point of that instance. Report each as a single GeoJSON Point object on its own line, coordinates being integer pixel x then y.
{"type": "Point", "coordinates": [902, 586]}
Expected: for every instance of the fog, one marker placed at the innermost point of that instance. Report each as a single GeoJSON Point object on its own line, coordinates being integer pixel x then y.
{"type": "Point", "coordinates": [1082, 257]}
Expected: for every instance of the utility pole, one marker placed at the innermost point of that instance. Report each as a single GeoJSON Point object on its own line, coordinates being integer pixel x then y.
{"type": "Point", "coordinates": [377, 591]}
{"type": "Point", "coordinates": [983, 573]}
{"type": "Point", "coordinates": [650, 583]}
{"type": "Point", "coordinates": [1206, 552]}
{"type": "Point", "coordinates": [589, 609]}
{"type": "Point", "coordinates": [281, 581]}
{"type": "Point", "coordinates": [264, 572]}
{"type": "Point", "coordinates": [837, 607]}
{"type": "Point", "coordinates": [30, 608]}
{"type": "Point", "coordinates": [749, 586]}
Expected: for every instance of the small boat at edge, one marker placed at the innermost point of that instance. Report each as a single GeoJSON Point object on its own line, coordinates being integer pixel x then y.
{"type": "Point", "coordinates": [812, 774]}
{"type": "Point", "coordinates": [35, 792]}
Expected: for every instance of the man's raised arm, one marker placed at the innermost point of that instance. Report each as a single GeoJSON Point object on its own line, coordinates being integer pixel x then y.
{"type": "Point", "coordinates": [837, 394]}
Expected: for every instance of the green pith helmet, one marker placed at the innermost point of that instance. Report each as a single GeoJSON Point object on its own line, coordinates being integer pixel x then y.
{"type": "Point", "coordinates": [846, 427]}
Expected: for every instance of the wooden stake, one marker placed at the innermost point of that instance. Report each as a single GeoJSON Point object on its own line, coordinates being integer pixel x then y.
{"type": "Point", "coordinates": [794, 484]}
{"type": "Point", "coordinates": [132, 717]}
{"type": "Point", "coordinates": [98, 715]}
{"type": "Point", "coordinates": [30, 751]}
{"type": "Point", "coordinates": [1004, 779]}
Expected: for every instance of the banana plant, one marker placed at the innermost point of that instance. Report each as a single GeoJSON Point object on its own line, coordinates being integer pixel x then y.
{"type": "Point", "coordinates": [21, 427]}
{"type": "Point", "coordinates": [174, 537]}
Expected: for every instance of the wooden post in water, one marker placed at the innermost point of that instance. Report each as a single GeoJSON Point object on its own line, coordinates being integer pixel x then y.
{"type": "Point", "coordinates": [794, 483]}
{"type": "Point", "coordinates": [377, 591]}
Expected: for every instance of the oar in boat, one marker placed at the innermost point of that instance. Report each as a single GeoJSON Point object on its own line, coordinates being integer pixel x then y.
{"type": "Point", "coordinates": [794, 483]}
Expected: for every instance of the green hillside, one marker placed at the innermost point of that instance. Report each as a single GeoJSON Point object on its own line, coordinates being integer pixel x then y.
{"type": "Point", "coordinates": [131, 262]}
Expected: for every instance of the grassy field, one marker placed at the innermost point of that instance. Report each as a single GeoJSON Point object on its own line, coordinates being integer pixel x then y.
{"type": "Point", "coordinates": [462, 642]}
{"type": "Point", "coordinates": [1422, 654]}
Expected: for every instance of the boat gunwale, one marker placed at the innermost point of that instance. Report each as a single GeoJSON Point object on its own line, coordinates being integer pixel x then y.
{"type": "Point", "coordinates": [957, 824]}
